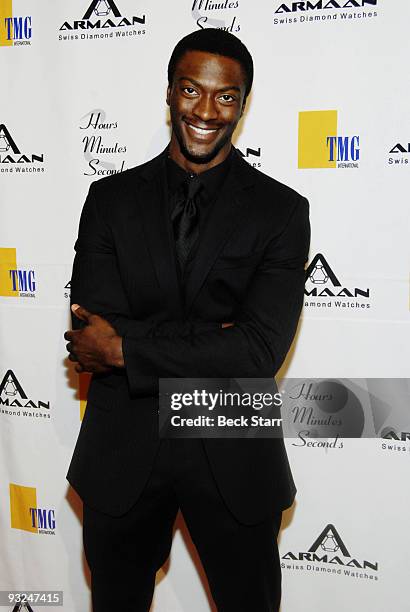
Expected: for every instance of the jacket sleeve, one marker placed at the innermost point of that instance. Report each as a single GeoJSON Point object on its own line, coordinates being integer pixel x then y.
{"type": "Point", "coordinates": [96, 284]}
{"type": "Point", "coordinates": [264, 326]}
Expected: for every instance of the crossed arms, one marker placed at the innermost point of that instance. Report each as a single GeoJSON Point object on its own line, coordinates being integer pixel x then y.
{"type": "Point", "coordinates": [254, 346]}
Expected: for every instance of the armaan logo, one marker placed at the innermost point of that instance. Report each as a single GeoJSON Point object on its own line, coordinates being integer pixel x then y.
{"type": "Point", "coordinates": [395, 440]}
{"type": "Point", "coordinates": [251, 155]}
{"type": "Point", "coordinates": [319, 5]}
{"type": "Point", "coordinates": [103, 14]}
{"type": "Point", "coordinates": [22, 607]}
{"type": "Point", "coordinates": [391, 420]}
{"type": "Point", "coordinates": [26, 514]}
{"type": "Point", "coordinates": [67, 290]}
{"type": "Point", "coordinates": [11, 157]}
{"type": "Point", "coordinates": [390, 434]}
{"type": "Point", "coordinates": [15, 281]}
{"type": "Point", "coordinates": [322, 282]}
{"type": "Point", "coordinates": [14, 30]}
{"type": "Point", "coordinates": [399, 154]}
{"type": "Point", "coordinates": [320, 145]}
{"type": "Point", "coordinates": [15, 402]}
{"type": "Point", "coordinates": [329, 553]}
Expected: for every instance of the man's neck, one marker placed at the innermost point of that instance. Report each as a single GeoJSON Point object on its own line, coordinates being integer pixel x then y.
{"type": "Point", "coordinates": [177, 156]}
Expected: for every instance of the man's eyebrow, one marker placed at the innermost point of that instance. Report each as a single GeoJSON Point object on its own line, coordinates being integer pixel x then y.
{"type": "Point", "coordinates": [228, 88]}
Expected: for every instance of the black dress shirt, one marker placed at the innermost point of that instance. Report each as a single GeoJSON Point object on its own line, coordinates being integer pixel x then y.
{"type": "Point", "coordinates": [212, 181]}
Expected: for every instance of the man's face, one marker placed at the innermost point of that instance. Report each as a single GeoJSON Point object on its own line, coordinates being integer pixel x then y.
{"type": "Point", "coordinates": [206, 101]}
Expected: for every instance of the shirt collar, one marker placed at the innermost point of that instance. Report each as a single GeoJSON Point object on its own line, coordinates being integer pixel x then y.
{"type": "Point", "coordinates": [211, 179]}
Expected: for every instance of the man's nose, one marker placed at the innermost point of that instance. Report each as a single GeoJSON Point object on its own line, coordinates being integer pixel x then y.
{"type": "Point", "coordinates": [205, 108]}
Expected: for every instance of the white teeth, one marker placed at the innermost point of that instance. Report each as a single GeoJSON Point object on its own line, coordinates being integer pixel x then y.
{"type": "Point", "coordinates": [200, 130]}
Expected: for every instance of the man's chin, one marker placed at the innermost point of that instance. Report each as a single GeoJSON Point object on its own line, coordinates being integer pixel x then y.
{"type": "Point", "coordinates": [198, 156]}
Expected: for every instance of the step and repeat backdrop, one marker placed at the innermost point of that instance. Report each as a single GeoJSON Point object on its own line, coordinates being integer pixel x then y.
{"type": "Point", "coordinates": [83, 96]}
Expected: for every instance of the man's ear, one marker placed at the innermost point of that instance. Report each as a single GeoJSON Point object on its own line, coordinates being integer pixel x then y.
{"type": "Point", "coordinates": [168, 94]}
{"type": "Point", "coordinates": [243, 107]}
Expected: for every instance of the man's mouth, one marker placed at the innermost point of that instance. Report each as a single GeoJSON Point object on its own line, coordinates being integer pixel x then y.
{"type": "Point", "coordinates": [201, 131]}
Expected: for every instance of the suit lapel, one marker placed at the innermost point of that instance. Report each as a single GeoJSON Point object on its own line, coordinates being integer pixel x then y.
{"type": "Point", "coordinates": [226, 214]}
{"type": "Point", "coordinates": [223, 218]}
{"type": "Point", "coordinates": [153, 208]}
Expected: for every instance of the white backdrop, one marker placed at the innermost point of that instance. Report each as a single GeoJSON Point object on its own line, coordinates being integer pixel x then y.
{"type": "Point", "coordinates": [64, 83]}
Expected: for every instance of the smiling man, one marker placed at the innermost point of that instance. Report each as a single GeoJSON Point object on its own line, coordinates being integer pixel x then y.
{"type": "Point", "coordinates": [204, 113]}
{"type": "Point", "coordinates": [191, 265]}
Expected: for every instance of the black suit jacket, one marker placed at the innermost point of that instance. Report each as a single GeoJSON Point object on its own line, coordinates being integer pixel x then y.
{"type": "Point", "coordinates": [248, 268]}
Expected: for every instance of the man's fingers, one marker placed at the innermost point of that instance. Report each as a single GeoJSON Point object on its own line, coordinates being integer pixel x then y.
{"type": "Point", "coordinates": [90, 368]}
{"type": "Point", "coordinates": [80, 312]}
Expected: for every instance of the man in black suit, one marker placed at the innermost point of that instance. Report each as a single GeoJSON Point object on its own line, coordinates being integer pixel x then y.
{"type": "Point", "coordinates": [190, 265]}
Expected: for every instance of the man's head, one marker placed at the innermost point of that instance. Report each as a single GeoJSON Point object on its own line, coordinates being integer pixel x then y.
{"type": "Point", "coordinates": [210, 74]}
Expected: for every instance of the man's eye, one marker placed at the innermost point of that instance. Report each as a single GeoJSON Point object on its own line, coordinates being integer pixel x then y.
{"type": "Point", "coordinates": [189, 90]}
{"type": "Point", "coordinates": [227, 98]}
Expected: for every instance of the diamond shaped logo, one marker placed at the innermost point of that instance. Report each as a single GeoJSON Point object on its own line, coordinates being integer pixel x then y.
{"type": "Point", "coordinates": [318, 275]}
{"type": "Point", "coordinates": [102, 9]}
{"type": "Point", "coordinates": [4, 143]}
{"type": "Point", "coordinates": [319, 272]}
{"type": "Point", "coordinates": [10, 385]}
{"type": "Point", "coordinates": [22, 607]}
{"type": "Point", "coordinates": [329, 540]}
{"type": "Point", "coordinates": [329, 543]}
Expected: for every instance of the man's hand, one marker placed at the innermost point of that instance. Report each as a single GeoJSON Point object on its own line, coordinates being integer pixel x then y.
{"type": "Point", "coordinates": [97, 347]}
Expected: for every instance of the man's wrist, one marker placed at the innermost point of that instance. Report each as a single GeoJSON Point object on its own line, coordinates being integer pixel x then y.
{"type": "Point", "coordinates": [115, 356]}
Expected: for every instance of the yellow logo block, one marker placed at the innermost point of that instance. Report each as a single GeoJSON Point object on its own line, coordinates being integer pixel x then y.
{"type": "Point", "coordinates": [83, 384]}
{"type": "Point", "coordinates": [314, 129]}
{"type": "Point", "coordinates": [8, 261]}
{"type": "Point", "coordinates": [6, 10]}
{"type": "Point", "coordinates": [22, 502]}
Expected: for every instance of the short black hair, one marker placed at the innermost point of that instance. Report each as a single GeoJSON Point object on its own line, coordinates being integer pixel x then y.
{"type": "Point", "coordinates": [213, 40]}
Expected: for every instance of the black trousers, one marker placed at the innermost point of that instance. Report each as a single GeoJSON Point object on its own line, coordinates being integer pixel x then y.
{"type": "Point", "coordinates": [124, 553]}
